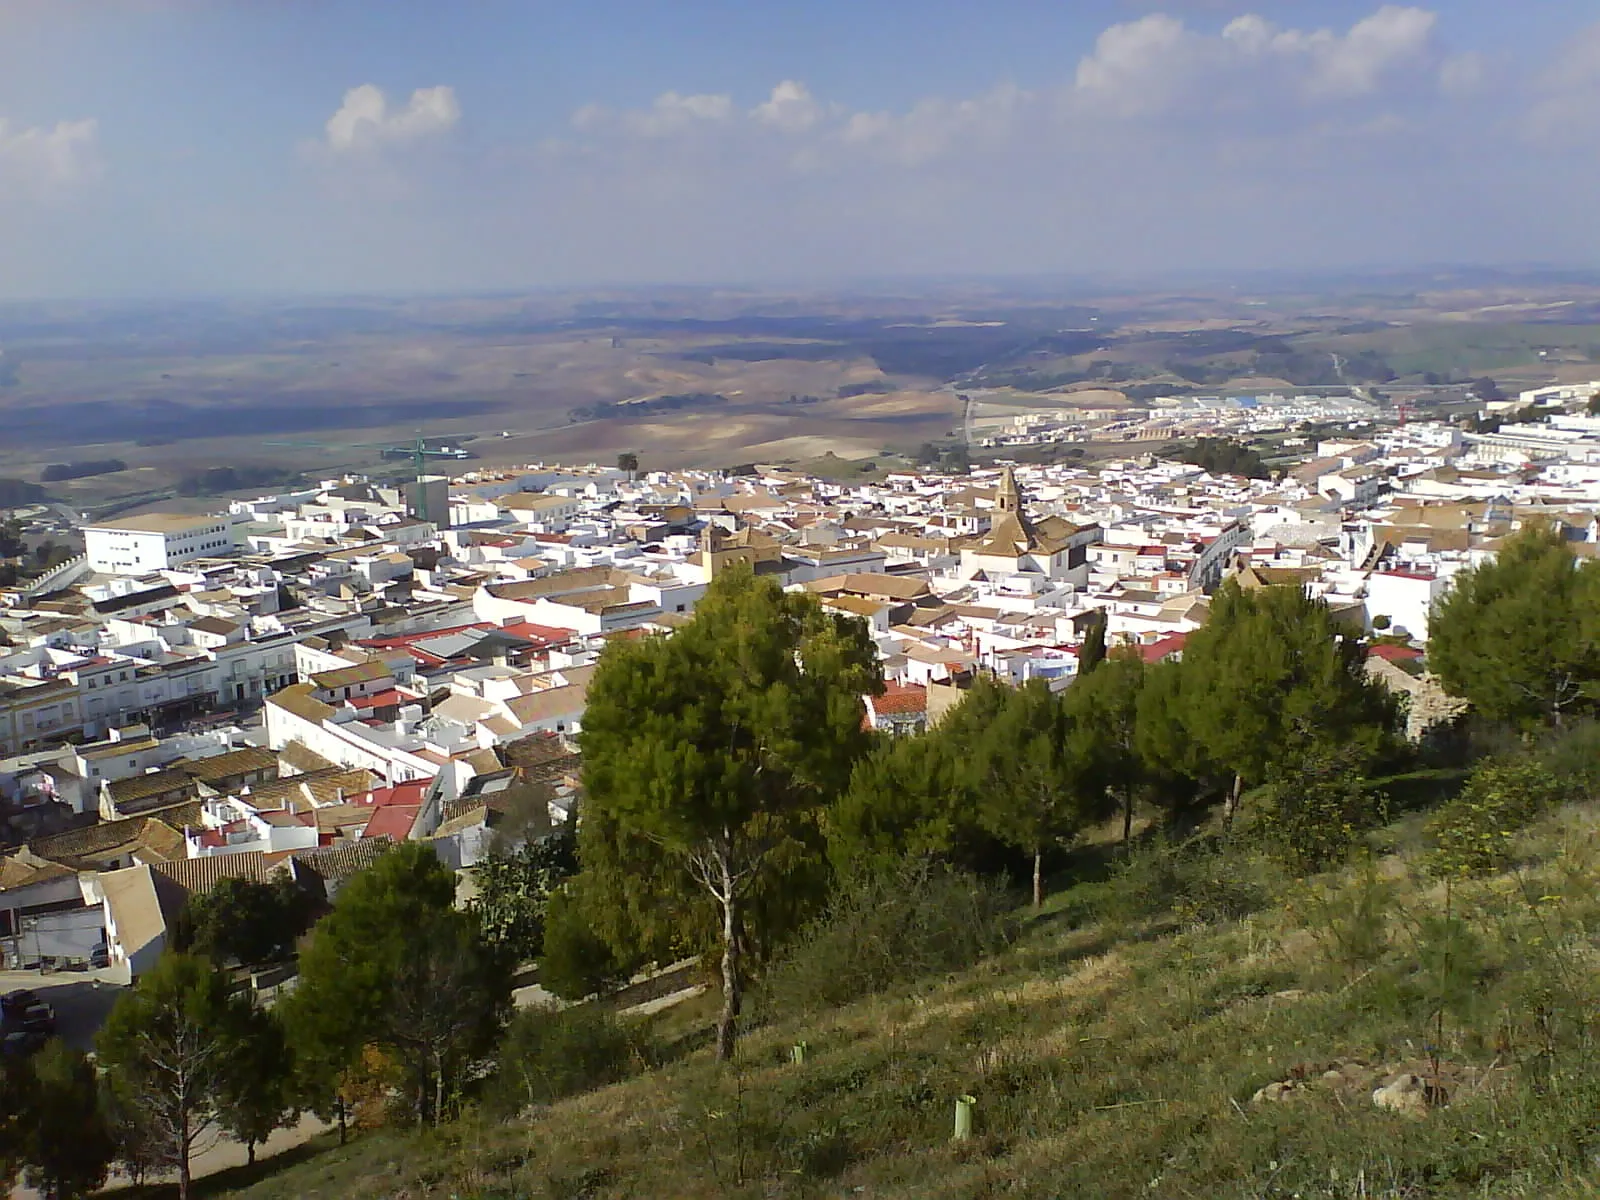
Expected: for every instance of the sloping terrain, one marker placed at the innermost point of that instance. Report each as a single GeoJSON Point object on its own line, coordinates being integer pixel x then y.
{"type": "Point", "coordinates": [1193, 1026]}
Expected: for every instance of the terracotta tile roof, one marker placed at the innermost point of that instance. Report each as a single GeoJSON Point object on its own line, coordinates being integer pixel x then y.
{"type": "Point", "coordinates": [298, 700]}
{"type": "Point", "coordinates": [335, 864]}
{"type": "Point", "coordinates": [391, 821]}
{"type": "Point", "coordinates": [234, 762]}
{"type": "Point", "coordinates": [157, 831]}
{"type": "Point", "coordinates": [303, 759]}
{"type": "Point", "coordinates": [197, 876]}
{"type": "Point", "coordinates": [126, 794]}
{"type": "Point", "coordinates": [900, 698]}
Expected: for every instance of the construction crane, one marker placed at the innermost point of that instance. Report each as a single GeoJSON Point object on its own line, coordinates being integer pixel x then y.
{"type": "Point", "coordinates": [419, 454]}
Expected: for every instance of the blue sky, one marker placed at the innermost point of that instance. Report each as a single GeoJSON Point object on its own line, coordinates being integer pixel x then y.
{"type": "Point", "coordinates": [154, 147]}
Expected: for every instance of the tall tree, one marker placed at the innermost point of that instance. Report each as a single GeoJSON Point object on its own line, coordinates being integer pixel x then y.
{"type": "Point", "coordinates": [450, 1001]}
{"type": "Point", "coordinates": [171, 1046]}
{"type": "Point", "coordinates": [257, 1095]}
{"type": "Point", "coordinates": [722, 742]}
{"type": "Point", "coordinates": [1104, 711]}
{"type": "Point", "coordinates": [359, 974]}
{"type": "Point", "coordinates": [628, 461]}
{"type": "Point", "coordinates": [1172, 762]}
{"type": "Point", "coordinates": [904, 799]}
{"type": "Point", "coordinates": [69, 1147]}
{"type": "Point", "coordinates": [1033, 780]}
{"type": "Point", "coordinates": [1270, 673]}
{"type": "Point", "coordinates": [514, 889]}
{"type": "Point", "coordinates": [1519, 636]}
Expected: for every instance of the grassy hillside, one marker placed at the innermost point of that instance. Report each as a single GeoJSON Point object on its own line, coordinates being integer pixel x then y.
{"type": "Point", "coordinates": [1117, 1049]}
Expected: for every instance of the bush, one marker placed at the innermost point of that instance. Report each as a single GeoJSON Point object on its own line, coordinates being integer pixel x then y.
{"type": "Point", "coordinates": [1316, 810]}
{"type": "Point", "coordinates": [546, 1055]}
{"type": "Point", "coordinates": [1200, 882]}
{"type": "Point", "coordinates": [576, 963]}
{"type": "Point", "coordinates": [1573, 756]}
{"type": "Point", "coordinates": [1474, 832]}
{"type": "Point", "coordinates": [892, 927]}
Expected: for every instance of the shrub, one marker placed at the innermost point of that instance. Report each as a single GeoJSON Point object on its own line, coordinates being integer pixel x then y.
{"type": "Point", "coordinates": [1199, 882]}
{"type": "Point", "coordinates": [1316, 809]}
{"type": "Point", "coordinates": [1350, 917]}
{"type": "Point", "coordinates": [576, 963]}
{"type": "Point", "coordinates": [547, 1054]}
{"type": "Point", "coordinates": [1474, 832]}
{"type": "Point", "coordinates": [1573, 756]}
{"type": "Point", "coordinates": [895, 926]}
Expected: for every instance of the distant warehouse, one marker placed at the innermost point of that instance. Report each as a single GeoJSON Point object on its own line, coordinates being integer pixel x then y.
{"type": "Point", "coordinates": [155, 541]}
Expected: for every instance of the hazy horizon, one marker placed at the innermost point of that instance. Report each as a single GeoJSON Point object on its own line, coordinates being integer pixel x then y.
{"type": "Point", "coordinates": [215, 149]}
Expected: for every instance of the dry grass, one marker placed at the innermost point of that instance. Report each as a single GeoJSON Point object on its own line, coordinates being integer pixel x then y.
{"type": "Point", "coordinates": [1116, 1055]}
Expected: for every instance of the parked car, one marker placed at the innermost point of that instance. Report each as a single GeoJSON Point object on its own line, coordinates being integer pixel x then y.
{"type": "Point", "coordinates": [14, 1004]}
{"type": "Point", "coordinates": [38, 1018]}
{"type": "Point", "coordinates": [100, 957]}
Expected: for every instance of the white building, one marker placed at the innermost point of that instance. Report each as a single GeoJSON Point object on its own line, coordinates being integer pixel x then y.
{"type": "Point", "coordinates": [156, 541]}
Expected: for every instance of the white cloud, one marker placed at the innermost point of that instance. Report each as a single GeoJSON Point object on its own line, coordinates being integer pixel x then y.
{"type": "Point", "coordinates": [365, 120]}
{"type": "Point", "coordinates": [39, 160]}
{"type": "Point", "coordinates": [1569, 92]}
{"type": "Point", "coordinates": [790, 107]}
{"type": "Point", "coordinates": [673, 113]}
{"type": "Point", "coordinates": [1157, 63]}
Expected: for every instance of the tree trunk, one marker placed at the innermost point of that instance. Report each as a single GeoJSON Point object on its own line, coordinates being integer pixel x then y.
{"type": "Point", "coordinates": [1127, 816]}
{"type": "Point", "coordinates": [727, 1023]}
{"type": "Point", "coordinates": [438, 1089]}
{"type": "Point", "coordinates": [339, 1105]}
{"type": "Point", "coordinates": [183, 1156]}
{"type": "Point", "coordinates": [1038, 878]}
{"type": "Point", "coordinates": [250, 1154]}
{"type": "Point", "coordinates": [1234, 796]}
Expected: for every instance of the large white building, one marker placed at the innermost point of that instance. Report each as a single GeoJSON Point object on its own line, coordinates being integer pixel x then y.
{"type": "Point", "coordinates": [156, 541]}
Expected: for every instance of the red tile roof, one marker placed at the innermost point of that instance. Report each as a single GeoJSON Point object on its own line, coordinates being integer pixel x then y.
{"type": "Point", "coordinates": [401, 793]}
{"type": "Point", "coordinates": [900, 698]}
{"type": "Point", "coordinates": [392, 821]}
{"type": "Point", "coordinates": [402, 640]}
{"type": "Point", "coordinates": [1165, 648]}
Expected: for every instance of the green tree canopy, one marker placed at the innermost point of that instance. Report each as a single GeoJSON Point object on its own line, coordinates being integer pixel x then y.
{"type": "Point", "coordinates": [514, 889]}
{"type": "Point", "coordinates": [720, 744]}
{"type": "Point", "coordinates": [69, 1146]}
{"type": "Point", "coordinates": [1104, 711]}
{"type": "Point", "coordinates": [1034, 781]}
{"type": "Point", "coordinates": [249, 922]}
{"type": "Point", "coordinates": [1094, 643]}
{"type": "Point", "coordinates": [257, 1097]}
{"type": "Point", "coordinates": [904, 800]}
{"type": "Point", "coordinates": [1519, 636]}
{"type": "Point", "coordinates": [348, 967]}
{"type": "Point", "coordinates": [1271, 673]}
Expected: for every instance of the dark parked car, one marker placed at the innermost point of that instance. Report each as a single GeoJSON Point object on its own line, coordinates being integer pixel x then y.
{"type": "Point", "coordinates": [14, 1004]}
{"type": "Point", "coordinates": [38, 1018]}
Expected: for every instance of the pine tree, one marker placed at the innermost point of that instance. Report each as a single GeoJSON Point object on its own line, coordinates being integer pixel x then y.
{"type": "Point", "coordinates": [1270, 674]}
{"type": "Point", "coordinates": [1033, 780]}
{"type": "Point", "coordinates": [1520, 636]}
{"type": "Point", "coordinates": [721, 744]}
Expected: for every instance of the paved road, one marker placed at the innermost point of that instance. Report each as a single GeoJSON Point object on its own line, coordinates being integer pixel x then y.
{"type": "Point", "coordinates": [82, 1000]}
